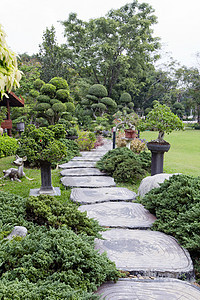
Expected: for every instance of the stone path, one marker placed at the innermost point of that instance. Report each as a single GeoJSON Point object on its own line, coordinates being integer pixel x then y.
{"type": "Point", "coordinates": [153, 258]}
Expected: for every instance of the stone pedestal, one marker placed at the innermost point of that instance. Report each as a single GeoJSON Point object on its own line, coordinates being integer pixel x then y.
{"type": "Point", "coordinates": [157, 156]}
{"type": "Point", "coordinates": [46, 185]}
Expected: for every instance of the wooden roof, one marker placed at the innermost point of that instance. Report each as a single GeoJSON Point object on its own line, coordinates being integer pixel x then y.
{"type": "Point", "coordinates": [13, 100]}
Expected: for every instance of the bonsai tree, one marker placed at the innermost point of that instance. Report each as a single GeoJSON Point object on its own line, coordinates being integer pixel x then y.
{"type": "Point", "coordinates": [98, 101]}
{"type": "Point", "coordinates": [161, 118]}
{"type": "Point", "coordinates": [128, 120]}
{"type": "Point", "coordinates": [42, 147]}
{"type": "Point", "coordinates": [53, 101]}
{"type": "Point", "coordinates": [9, 73]}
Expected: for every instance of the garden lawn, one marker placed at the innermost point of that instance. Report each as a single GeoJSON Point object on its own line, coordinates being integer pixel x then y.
{"type": "Point", "coordinates": [184, 154]}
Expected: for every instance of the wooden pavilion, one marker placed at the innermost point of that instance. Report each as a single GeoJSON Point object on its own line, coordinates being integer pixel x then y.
{"type": "Point", "coordinates": [11, 101]}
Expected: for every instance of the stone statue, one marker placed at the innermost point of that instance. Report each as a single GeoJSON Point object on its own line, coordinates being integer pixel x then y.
{"type": "Point", "coordinates": [16, 174]}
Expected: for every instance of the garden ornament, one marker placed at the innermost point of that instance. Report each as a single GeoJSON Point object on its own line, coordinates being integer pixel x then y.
{"type": "Point", "coordinates": [16, 174]}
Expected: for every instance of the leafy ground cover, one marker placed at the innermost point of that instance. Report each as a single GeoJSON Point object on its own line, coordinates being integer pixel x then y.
{"type": "Point", "coordinates": [176, 204]}
{"type": "Point", "coordinates": [183, 156]}
{"type": "Point", "coordinates": [57, 259]}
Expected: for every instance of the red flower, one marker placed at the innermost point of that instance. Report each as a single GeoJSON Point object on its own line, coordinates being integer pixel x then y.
{"type": "Point", "coordinates": [40, 141]}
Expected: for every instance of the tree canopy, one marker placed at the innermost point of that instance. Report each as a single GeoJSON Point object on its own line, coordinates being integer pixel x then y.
{"type": "Point", "coordinates": [113, 50]}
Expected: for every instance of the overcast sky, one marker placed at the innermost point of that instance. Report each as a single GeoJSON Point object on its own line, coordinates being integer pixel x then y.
{"type": "Point", "coordinates": [24, 22]}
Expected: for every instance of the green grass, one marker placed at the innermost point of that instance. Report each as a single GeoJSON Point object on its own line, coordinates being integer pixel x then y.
{"type": "Point", "coordinates": [184, 154]}
{"type": "Point", "coordinates": [23, 188]}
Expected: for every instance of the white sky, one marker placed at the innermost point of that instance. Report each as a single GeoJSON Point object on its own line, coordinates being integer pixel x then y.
{"type": "Point", "coordinates": [24, 22]}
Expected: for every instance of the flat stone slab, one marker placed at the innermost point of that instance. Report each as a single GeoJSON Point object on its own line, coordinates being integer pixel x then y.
{"type": "Point", "coordinates": [99, 195]}
{"type": "Point", "coordinates": [88, 181]}
{"type": "Point", "coordinates": [120, 214]}
{"type": "Point", "coordinates": [133, 289]}
{"type": "Point", "coordinates": [86, 158]}
{"type": "Point", "coordinates": [92, 154]}
{"type": "Point", "coordinates": [145, 252]}
{"type": "Point", "coordinates": [78, 164]}
{"type": "Point", "coordinates": [82, 172]}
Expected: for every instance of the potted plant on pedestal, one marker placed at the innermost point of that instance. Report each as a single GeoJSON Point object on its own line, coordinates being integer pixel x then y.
{"type": "Point", "coordinates": [42, 149]}
{"type": "Point", "coordinates": [162, 119]}
{"type": "Point", "coordinates": [128, 121]}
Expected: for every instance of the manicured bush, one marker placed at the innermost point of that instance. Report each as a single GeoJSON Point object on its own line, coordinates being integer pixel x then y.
{"type": "Point", "coordinates": [38, 83]}
{"type": "Point", "coordinates": [98, 90]}
{"type": "Point", "coordinates": [48, 89]}
{"type": "Point", "coordinates": [59, 82]}
{"type": "Point", "coordinates": [8, 146]}
{"type": "Point", "coordinates": [43, 99]}
{"type": "Point", "coordinates": [40, 145]}
{"type": "Point", "coordinates": [176, 205]}
{"type": "Point", "coordinates": [62, 95]}
{"type": "Point", "coordinates": [124, 165]}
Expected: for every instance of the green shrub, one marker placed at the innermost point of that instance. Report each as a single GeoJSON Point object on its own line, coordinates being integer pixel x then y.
{"type": "Point", "coordinates": [124, 165]}
{"type": "Point", "coordinates": [62, 95]}
{"type": "Point", "coordinates": [40, 145]}
{"type": "Point", "coordinates": [176, 205]}
{"type": "Point", "coordinates": [86, 140]}
{"type": "Point", "coordinates": [48, 89]}
{"type": "Point", "coordinates": [59, 82]}
{"type": "Point", "coordinates": [8, 146]}
{"type": "Point", "coordinates": [58, 107]}
{"type": "Point", "coordinates": [70, 107]}
{"type": "Point", "coordinates": [125, 98]}
{"type": "Point", "coordinates": [47, 210]}
{"type": "Point", "coordinates": [98, 90]}
{"type": "Point", "coordinates": [34, 93]}
{"type": "Point", "coordinates": [38, 83]}
{"type": "Point", "coordinates": [43, 99]}
{"type": "Point", "coordinates": [12, 211]}
{"type": "Point", "coordinates": [54, 290]}
{"type": "Point", "coordinates": [43, 106]}
{"type": "Point", "coordinates": [58, 130]}
{"type": "Point", "coordinates": [57, 255]}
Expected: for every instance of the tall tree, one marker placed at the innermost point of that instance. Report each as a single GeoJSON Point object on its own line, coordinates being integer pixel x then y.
{"type": "Point", "coordinates": [116, 49]}
{"type": "Point", "coordinates": [53, 58]}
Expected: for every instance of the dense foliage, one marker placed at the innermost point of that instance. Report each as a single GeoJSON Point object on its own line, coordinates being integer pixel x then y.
{"type": "Point", "coordinates": [47, 210]}
{"type": "Point", "coordinates": [8, 146]}
{"type": "Point", "coordinates": [42, 144]}
{"type": "Point", "coordinates": [50, 262]}
{"type": "Point", "coordinates": [86, 140]}
{"type": "Point", "coordinates": [124, 165]}
{"type": "Point", "coordinates": [176, 205]}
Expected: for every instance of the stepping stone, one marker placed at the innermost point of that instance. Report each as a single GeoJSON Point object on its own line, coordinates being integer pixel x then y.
{"type": "Point", "coordinates": [86, 158]}
{"type": "Point", "coordinates": [78, 164]}
{"type": "Point", "coordinates": [91, 154]}
{"type": "Point", "coordinates": [120, 214]}
{"type": "Point", "coordinates": [164, 289]}
{"type": "Point", "coordinates": [99, 195]}
{"type": "Point", "coordinates": [82, 172]}
{"type": "Point", "coordinates": [88, 181]}
{"type": "Point", "coordinates": [149, 253]}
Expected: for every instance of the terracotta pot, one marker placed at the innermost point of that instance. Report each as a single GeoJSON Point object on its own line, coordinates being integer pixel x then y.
{"type": "Point", "coordinates": [130, 133]}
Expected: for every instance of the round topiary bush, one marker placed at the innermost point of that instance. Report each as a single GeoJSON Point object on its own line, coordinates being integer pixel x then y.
{"type": "Point", "coordinates": [48, 89]}
{"type": "Point", "coordinates": [62, 95]}
{"type": "Point", "coordinates": [98, 90]}
{"type": "Point", "coordinates": [43, 99]}
{"type": "Point", "coordinates": [59, 82]}
{"type": "Point", "coordinates": [58, 107]}
{"type": "Point", "coordinates": [125, 98]}
{"type": "Point", "coordinates": [70, 107]}
{"type": "Point", "coordinates": [38, 83]}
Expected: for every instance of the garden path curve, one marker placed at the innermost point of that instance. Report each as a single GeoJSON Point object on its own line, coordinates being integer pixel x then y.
{"type": "Point", "coordinates": [154, 261]}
